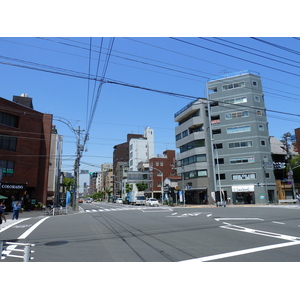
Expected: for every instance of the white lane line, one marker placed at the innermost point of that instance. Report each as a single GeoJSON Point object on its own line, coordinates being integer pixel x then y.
{"type": "Point", "coordinates": [12, 224]}
{"type": "Point", "coordinates": [241, 252]}
{"type": "Point", "coordinates": [278, 222]}
{"type": "Point", "coordinates": [27, 232]}
{"type": "Point", "coordinates": [260, 232]}
{"type": "Point", "coordinates": [238, 219]}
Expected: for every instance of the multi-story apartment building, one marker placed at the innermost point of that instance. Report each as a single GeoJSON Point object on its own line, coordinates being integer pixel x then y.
{"type": "Point", "coordinates": [194, 161]}
{"type": "Point", "coordinates": [224, 143]}
{"type": "Point", "coordinates": [120, 157]}
{"type": "Point", "coordinates": [141, 149]}
{"type": "Point", "coordinates": [241, 140]}
{"type": "Point", "coordinates": [25, 141]}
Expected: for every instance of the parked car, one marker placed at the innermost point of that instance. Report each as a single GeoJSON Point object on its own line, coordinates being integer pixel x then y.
{"type": "Point", "coordinates": [152, 202]}
{"type": "Point", "coordinates": [119, 201]}
{"type": "Point", "coordinates": [80, 201]}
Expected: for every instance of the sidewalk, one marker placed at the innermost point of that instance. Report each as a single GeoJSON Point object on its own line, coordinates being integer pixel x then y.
{"type": "Point", "coordinates": [29, 214]}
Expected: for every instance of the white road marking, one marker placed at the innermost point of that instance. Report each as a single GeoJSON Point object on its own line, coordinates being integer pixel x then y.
{"type": "Point", "coordinates": [239, 219]}
{"type": "Point", "coordinates": [260, 232]}
{"type": "Point", "coordinates": [12, 224]}
{"type": "Point", "coordinates": [293, 240]}
{"type": "Point", "coordinates": [195, 214]}
{"type": "Point", "coordinates": [278, 222]}
{"type": "Point", "coordinates": [241, 252]}
{"type": "Point", "coordinates": [27, 232]}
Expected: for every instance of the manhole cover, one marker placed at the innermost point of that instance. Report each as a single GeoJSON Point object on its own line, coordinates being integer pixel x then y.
{"type": "Point", "coordinates": [56, 243]}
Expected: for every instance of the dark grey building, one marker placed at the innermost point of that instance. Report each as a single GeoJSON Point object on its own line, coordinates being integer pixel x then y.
{"type": "Point", "coordinates": [242, 151]}
{"type": "Point", "coordinates": [224, 143]}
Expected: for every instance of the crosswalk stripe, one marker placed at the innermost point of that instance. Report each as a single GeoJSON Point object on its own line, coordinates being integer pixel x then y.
{"type": "Point", "coordinates": [119, 209]}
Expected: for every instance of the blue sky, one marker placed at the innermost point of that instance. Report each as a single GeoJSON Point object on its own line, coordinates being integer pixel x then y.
{"type": "Point", "coordinates": [142, 55]}
{"type": "Point", "coordinates": [181, 66]}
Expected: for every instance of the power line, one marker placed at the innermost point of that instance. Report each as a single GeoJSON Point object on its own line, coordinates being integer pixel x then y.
{"type": "Point", "coordinates": [233, 56]}
{"type": "Point", "coordinates": [277, 46]}
{"type": "Point", "coordinates": [285, 63]}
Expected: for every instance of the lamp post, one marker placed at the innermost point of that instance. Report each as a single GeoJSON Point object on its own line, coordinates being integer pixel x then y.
{"type": "Point", "coordinates": [162, 181]}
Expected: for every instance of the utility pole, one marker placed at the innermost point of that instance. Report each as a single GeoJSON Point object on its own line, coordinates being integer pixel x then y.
{"type": "Point", "coordinates": [79, 148]}
{"type": "Point", "coordinates": [286, 137]}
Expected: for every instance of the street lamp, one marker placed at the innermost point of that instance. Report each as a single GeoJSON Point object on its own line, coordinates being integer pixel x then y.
{"type": "Point", "coordinates": [162, 181]}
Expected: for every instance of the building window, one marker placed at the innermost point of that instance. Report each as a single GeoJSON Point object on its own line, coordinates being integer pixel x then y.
{"type": "Point", "coordinates": [159, 184]}
{"type": "Point", "coordinates": [242, 160]}
{"type": "Point", "coordinates": [247, 176]}
{"type": "Point", "coordinates": [238, 114]}
{"type": "Point", "coordinates": [192, 145]}
{"type": "Point", "coordinates": [216, 131]}
{"type": "Point", "coordinates": [256, 98]}
{"type": "Point", "coordinates": [222, 176]}
{"type": "Point", "coordinates": [236, 100]}
{"type": "Point", "coordinates": [263, 142]}
{"type": "Point", "coordinates": [178, 137]}
{"type": "Point", "coordinates": [161, 163]}
{"type": "Point", "coordinates": [261, 127]}
{"type": "Point", "coordinates": [195, 174]}
{"type": "Point", "coordinates": [196, 129]}
{"type": "Point", "coordinates": [218, 146]}
{"type": "Point", "coordinates": [8, 167]}
{"type": "Point", "coordinates": [8, 142]}
{"type": "Point", "coordinates": [159, 173]}
{"type": "Point", "coordinates": [9, 120]}
{"type": "Point", "coordinates": [157, 163]}
{"type": "Point", "coordinates": [240, 144]}
{"type": "Point", "coordinates": [238, 129]}
{"type": "Point", "coordinates": [254, 83]}
{"type": "Point", "coordinates": [185, 133]}
{"type": "Point", "coordinates": [195, 114]}
{"type": "Point", "coordinates": [233, 86]}
{"type": "Point", "coordinates": [192, 159]}
{"type": "Point", "coordinates": [259, 113]}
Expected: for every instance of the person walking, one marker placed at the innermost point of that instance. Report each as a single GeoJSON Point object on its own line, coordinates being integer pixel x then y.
{"type": "Point", "coordinates": [2, 216]}
{"type": "Point", "coordinates": [16, 208]}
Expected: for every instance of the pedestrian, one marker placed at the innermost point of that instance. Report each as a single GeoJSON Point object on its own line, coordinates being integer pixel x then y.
{"type": "Point", "coordinates": [16, 208]}
{"type": "Point", "coordinates": [2, 216]}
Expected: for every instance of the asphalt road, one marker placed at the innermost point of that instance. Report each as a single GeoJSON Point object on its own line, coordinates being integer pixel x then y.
{"type": "Point", "coordinates": [106, 232]}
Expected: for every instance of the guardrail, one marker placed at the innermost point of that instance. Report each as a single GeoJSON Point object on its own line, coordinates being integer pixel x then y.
{"type": "Point", "coordinates": [11, 247]}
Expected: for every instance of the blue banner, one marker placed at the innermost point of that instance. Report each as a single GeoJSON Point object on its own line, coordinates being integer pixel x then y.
{"type": "Point", "coordinates": [68, 198]}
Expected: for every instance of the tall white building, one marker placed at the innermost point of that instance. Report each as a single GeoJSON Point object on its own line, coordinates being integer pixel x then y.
{"type": "Point", "coordinates": [141, 149]}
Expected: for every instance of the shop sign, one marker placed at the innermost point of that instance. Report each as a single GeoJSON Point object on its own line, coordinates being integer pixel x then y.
{"type": "Point", "coordinates": [11, 186]}
{"type": "Point", "coordinates": [242, 188]}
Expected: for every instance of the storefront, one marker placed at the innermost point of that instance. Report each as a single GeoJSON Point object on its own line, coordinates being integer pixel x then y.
{"type": "Point", "coordinates": [13, 192]}
{"type": "Point", "coordinates": [196, 196]}
{"type": "Point", "coordinates": [243, 194]}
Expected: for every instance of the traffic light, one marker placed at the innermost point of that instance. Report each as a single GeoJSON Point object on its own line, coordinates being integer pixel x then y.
{"type": "Point", "coordinates": [278, 165]}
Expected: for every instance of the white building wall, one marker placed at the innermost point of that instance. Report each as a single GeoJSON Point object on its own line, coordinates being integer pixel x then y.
{"type": "Point", "coordinates": [141, 149]}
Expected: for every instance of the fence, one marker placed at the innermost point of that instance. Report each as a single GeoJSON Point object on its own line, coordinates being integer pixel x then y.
{"type": "Point", "coordinates": [11, 247]}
